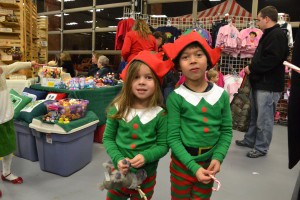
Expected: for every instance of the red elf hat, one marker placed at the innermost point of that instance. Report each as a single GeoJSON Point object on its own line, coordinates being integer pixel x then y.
{"type": "Point", "coordinates": [153, 60]}
{"type": "Point", "coordinates": [173, 49]}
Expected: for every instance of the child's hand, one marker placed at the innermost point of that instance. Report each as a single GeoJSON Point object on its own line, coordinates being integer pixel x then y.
{"type": "Point", "coordinates": [138, 161]}
{"type": "Point", "coordinates": [34, 63]}
{"type": "Point", "coordinates": [203, 175]}
{"type": "Point", "coordinates": [214, 166]}
{"type": "Point", "coordinates": [123, 168]}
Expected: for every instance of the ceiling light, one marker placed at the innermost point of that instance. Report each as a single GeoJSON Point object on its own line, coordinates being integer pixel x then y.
{"type": "Point", "coordinates": [159, 16]}
{"type": "Point", "coordinates": [214, 0]}
{"type": "Point", "coordinates": [71, 23]}
{"type": "Point", "coordinates": [97, 10]}
{"type": "Point", "coordinates": [122, 18]}
{"type": "Point", "coordinates": [88, 22]}
{"type": "Point", "coordinates": [66, 0]}
{"type": "Point", "coordinates": [112, 26]}
{"type": "Point", "coordinates": [59, 15]}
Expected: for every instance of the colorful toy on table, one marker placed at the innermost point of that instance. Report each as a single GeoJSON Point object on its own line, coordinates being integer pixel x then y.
{"type": "Point", "coordinates": [63, 120]}
{"type": "Point", "coordinates": [66, 110]}
{"type": "Point", "coordinates": [90, 83]}
{"type": "Point", "coordinates": [108, 80]}
{"type": "Point", "coordinates": [52, 114]}
{"type": "Point", "coordinates": [114, 179]}
{"type": "Point", "coordinates": [60, 85]}
{"type": "Point", "coordinates": [74, 84]}
{"type": "Point", "coordinates": [51, 72]}
{"type": "Point", "coordinates": [82, 82]}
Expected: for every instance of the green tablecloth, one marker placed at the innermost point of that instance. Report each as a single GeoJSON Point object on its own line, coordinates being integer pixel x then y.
{"type": "Point", "coordinates": [99, 98]}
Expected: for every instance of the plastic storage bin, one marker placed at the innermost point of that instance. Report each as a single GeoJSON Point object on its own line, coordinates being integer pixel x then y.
{"type": "Point", "coordinates": [61, 152]}
{"type": "Point", "coordinates": [26, 145]}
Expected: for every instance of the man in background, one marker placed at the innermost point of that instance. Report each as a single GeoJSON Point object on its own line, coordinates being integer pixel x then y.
{"type": "Point", "coordinates": [266, 75]}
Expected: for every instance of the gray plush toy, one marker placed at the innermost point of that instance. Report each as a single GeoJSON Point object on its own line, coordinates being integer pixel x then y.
{"type": "Point", "coordinates": [114, 179]}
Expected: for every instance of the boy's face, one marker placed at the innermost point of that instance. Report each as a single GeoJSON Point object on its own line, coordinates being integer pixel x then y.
{"type": "Point", "coordinates": [193, 63]}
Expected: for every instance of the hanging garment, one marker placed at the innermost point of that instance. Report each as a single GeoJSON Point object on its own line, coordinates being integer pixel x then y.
{"type": "Point", "coordinates": [287, 29]}
{"type": "Point", "coordinates": [227, 40]}
{"type": "Point", "coordinates": [124, 26]}
{"type": "Point", "coordinates": [248, 40]}
{"type": "Point", "coordinates": [215, 30]}
{"type": "Point", "coordinates": [204, 33]}
{"type": "Point", "coordinates": [171, 32]}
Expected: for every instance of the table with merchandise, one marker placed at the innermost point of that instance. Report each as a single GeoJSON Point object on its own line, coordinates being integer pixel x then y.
{"type": "Point", "coordinates": [99, 98]}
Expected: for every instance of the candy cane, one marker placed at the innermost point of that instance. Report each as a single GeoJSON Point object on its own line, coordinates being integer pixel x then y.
{"type": "Point", "coordinates": [217, 181]}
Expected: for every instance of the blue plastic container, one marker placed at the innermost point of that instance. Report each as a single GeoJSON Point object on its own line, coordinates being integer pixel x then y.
{"type": "Point", "coordinates": [64, 154]}
{"type": "Point", "coordinates": [26, 145]}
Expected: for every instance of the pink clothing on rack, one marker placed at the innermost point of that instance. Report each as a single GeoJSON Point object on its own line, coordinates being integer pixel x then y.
{"type": "Point", "coordinates": [248, 40]}
{"type": "Point", "coordinates": [232, 84]}
{"type": "Point", "coordinates": [221, 80]}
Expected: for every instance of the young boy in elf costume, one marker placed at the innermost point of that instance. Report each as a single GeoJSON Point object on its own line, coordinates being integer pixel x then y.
{"type": "Point", "coordinates": [136, 127]}
{"type": "Point", "coordinates": [199, 120]}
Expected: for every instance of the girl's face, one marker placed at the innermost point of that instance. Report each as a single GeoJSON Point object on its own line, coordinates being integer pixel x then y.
{"type": "Point", "coordinates": [193, 63]}
{"type": "Point", "coordinates": [143, 85]}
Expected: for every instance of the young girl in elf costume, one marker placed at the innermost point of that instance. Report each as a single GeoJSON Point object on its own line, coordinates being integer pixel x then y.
{"type": "Point", "coordinates": [199, 120]}
{"type": "Point", "coordinates": [7, 131]}
{"type": "Point", "coordinates": [136, 126]}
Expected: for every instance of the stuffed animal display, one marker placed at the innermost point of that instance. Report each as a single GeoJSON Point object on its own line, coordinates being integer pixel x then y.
{"type": "Point", "coordinates": [114, 179]}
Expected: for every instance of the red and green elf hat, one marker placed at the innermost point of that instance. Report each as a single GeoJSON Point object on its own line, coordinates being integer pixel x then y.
{"type": "Point", "coordinates": [173, 49]}
{"type": "Point", "coordinates": [153, 60]}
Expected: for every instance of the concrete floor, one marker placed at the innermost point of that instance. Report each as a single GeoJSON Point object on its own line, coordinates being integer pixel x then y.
{"type": "Point", "coordinates": [242, 178]}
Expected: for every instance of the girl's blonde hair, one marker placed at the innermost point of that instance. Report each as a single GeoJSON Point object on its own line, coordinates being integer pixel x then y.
{"type": "Point", "coordinates": [65, 56]}
{"type": "Point", "coordinates": [142, 28]}
{"type": "Point", "coordinates": [125, 99]}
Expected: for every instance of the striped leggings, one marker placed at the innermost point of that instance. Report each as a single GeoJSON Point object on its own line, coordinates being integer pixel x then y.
{"type": "Point", "coordinates": [184, 184]}
{"type": "Point", "coordinates": [147, 187]}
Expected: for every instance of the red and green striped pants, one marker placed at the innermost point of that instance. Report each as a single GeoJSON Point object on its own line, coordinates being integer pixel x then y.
{"type": "Point", "coordinates": [184, 184]}
{"type": "Point", "coordinates": [147, 187]}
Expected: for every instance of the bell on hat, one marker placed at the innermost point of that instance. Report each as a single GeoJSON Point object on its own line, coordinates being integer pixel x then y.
{"type": "Point", "coordinates": [154, 61]}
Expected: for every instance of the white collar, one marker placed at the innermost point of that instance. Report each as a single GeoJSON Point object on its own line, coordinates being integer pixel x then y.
{"type": "Point", "coordinates": [145, 115]}
{"type": "Point", "coordinates": [211, 97]}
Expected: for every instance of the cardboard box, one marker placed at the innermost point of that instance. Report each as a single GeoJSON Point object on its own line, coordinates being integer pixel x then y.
{"type": "Point", "coordinates": [6, 12]}
{"type": "Point", "coordinates": [6, 57]}
{"type": "Point", "coordinates": [9, 30]}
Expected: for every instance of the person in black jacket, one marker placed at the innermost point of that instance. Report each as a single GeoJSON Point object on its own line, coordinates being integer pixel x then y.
{"type": "Point", "coordinates": [103, 67]}
{"type": "Point", "coordinates": [67, 64]}
{"type": "Point", "coordinates": [266, 74]}
{"type": "Point", "coordinates": [293, 116]}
